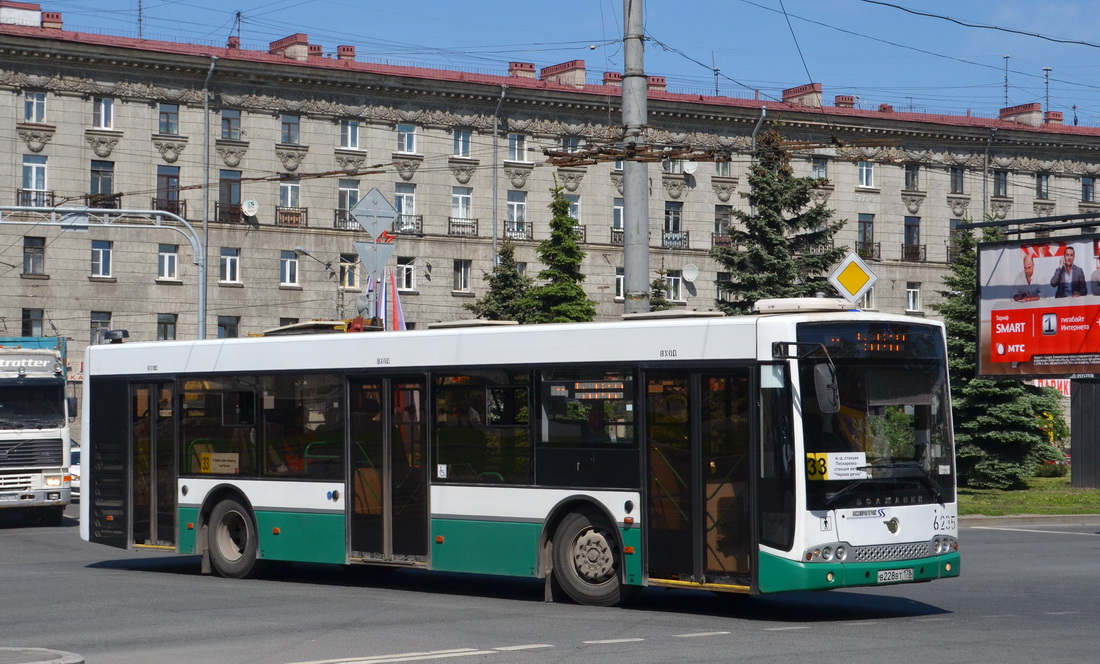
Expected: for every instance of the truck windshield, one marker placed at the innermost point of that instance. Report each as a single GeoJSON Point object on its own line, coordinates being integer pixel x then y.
{"type": "Point", "coordinates": [30, 406]}
{"type": "Point", "coordinates": [890, 442]}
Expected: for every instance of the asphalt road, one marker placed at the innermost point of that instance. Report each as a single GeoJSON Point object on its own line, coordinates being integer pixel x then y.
{"type": "Point", "coordinates": [1028, 593]}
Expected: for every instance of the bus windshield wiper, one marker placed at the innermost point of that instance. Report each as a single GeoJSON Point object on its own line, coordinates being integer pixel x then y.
{"type": "Point", "coordinates": [832, 498]}
{"type": "Point", "coordinates": [916, 470]}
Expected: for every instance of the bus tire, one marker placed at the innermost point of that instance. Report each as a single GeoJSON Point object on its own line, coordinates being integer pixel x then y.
{"type": "Point", "coordinates": [233, 541]}
{"type": "Point", "coordinates": [587, 560]}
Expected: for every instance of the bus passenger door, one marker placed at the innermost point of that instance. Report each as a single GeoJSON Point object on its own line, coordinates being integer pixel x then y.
{"type": "Point", "coordinates": [698, 473]}
{"type": "Point", "coordinates": [153, 483]}
{"type": "Point", "coordinates": [388, 482]}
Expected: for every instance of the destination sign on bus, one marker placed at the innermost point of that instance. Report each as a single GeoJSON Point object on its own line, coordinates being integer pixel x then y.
{"type": "Point", "coordinates": [874, 340]}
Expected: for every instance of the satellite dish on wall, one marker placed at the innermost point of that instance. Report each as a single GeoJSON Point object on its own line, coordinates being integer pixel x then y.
{"type": "Point", "coordinates": [690, 272]}
{"type": "Point", "coordinates": [690, 167]}
{"type": "Point", "coordinates": [249, 208]}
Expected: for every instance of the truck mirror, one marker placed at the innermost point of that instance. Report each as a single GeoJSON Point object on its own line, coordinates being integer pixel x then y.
{"type": "Point", "coordinates": [71, 402]}
{"type": "Point", "coordinates": [828, 396]}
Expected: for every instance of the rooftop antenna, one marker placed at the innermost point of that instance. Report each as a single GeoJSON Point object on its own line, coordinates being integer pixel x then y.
{"type": "Point", "coordinates": [139, 20]}
{"type": "Point", "coordinates": [1006, 57]}
{"type": "Point", "coordinates": [1046, 75]}
{"type": "Point", "coordinates": [714, 66]}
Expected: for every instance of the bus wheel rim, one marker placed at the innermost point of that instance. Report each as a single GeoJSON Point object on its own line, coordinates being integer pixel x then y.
{"type": "Point", "coordinates": [232, 536]}
{"type": "Point", "coordinates": [593, 556]}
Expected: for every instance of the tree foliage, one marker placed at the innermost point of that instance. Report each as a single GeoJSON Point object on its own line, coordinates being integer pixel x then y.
{"type": "Point", "coordinates": [784, 246]}
{"type": "Point", "coordinates": [562, 298]}
{"type": "Point", "coordinates": [1001, 426]}
{"type": "Point", "coordinates": [658, 293]}
{"type": "Point", "coordinates": [507, 297]}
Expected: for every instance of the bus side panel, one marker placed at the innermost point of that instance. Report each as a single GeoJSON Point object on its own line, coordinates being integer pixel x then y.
{"type": "Point", "coordinates": [107, 464]}
{"type": "Point", "coordinates": [187, 537]}
{"type": "Point", "coordinates": [302, 536]}
{"type": "Point", "coordinates": [466, 545]}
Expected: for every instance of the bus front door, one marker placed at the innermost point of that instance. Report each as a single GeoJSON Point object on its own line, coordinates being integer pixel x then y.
{"type": "Point", "coordinates": [388, 480]}
{"type": "Point", "coordinates": [698, 426]}
{"type": "Point", "coordinates": [153, 483]}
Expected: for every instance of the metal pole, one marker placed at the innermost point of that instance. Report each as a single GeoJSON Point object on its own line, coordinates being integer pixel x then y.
{"type": "Point", "coordinates": [635, 173]}
{"type": "Point", "coordinates": [496, 170]}
{"type": "Point", "coordinates": [205, 197]}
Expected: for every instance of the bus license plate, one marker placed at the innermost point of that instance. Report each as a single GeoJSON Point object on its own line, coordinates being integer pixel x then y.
{"type": "Point", "coordinates": [8, 496]}
{"type": "Point", "coordinates": [895, 575]}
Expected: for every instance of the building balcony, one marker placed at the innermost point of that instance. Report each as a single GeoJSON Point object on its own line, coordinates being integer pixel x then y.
{"type": "Point", "coordinates": [103, 201]}
{"type": "Point", "coordinates": [582, 235]}
{"type": "Point", "coordinates": [228, 213]}
{"type": "Point", "coordinates": [617, 236]}
{"type": "Point", "coordinates": [408, 224]}
{"type": "Point", "coordinates": [34, 198]}
{"type": "Point", "coordinates": [461, 227]}
{"type": "Point", "coordinates": [913, 252]}
{"type": "Point", "coordinates": [518, 230]}
{"type": "Point", "coordinates": [170, 205]}
{"type": "Point", "coordinates": [868, 250]}
{"type": "Point", "coordinates": [342, 220]}
{"type": "Point", "coordinates": [721, 240]}
{"type": "Point", "coordinates": [674, 240]}
{"type": "Point", "coordinates": [294, 217]}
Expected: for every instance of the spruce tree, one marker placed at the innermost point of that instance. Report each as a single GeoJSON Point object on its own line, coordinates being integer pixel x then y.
{"type": "Point", "coordinates": [785, 246]}
{"type": "Point", "coordinates": [562, 298]}
{"type": "Point", "coordinates": [507, 297]}
{"type": "Point", "coordinates": [1000, 425]}
{"type": "Point", "coordinates": [658, 295]}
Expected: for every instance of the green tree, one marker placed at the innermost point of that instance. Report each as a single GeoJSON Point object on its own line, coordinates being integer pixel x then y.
{"type": "Point", "coordinates": [658, 296]}
{"type": "Point", "coordinates": [562, 298]}
{"type": "Point", "coordinates": [1000, 426]}
{"type": "Point", "coordinates": [507, 297]}
{"type": "Point", "coordinates": [785, 246]}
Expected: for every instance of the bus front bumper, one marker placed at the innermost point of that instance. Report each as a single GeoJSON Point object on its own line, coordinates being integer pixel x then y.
{"type": "Point", "coordinates": [779, 574]}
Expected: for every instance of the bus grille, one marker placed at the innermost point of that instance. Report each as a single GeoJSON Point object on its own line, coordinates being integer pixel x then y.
{"type": "Point", "coordinates": [15, 483]}
{"type": "Point", "coordinates": [888, 552]}
{"type": "Point", "coordinates": [33, 453]}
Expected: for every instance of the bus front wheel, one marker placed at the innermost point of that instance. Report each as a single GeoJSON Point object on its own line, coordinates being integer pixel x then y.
{"type": "Point", "coordinates": [233, 541]}
{"type": "Point", "coordinates": [587, 560]}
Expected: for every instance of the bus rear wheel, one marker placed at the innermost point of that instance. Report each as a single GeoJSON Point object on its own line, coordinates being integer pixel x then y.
{"type": "Point", "coordinates": [233, 541]}
{"type": "Point", "coordinates": [587, 560]}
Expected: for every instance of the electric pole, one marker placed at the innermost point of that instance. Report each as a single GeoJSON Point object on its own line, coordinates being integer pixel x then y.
{"type": "Point", "coordinates": [635, 173]}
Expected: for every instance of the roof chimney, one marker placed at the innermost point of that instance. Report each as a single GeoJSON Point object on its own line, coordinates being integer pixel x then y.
{"type": "Point", "coordinates": [314, 50]}
{"type": "Point", "coordinates": [295, 47]}
{"type": "Point", "coordinates": [51, 20]}
{"type": "Point", "coordinates": [885, 108]}
{"type": "Point", "coordinates": [521, 69]}
{"type": "Point", "coordinates": [845, 101]}
{"type": "Point", "coordinates": [613, 78]}
{"type": "Point", "coordinates": [567, 73]}
{"type": "Point", "coordinates": [1025, 114]}
{"type": "Point", "coordinates": [803, 95]}
{"type": "Point", "coordinates": [655, 83]}
{"type": "Point", "coordinates": [1052, 118]}
{"type": "Point", "coordinates": [234, 43]}
{"type": "Point", "coordinates": [345, 52]}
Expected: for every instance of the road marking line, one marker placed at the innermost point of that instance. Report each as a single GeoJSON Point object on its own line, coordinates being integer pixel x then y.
{"type": "Point", "coordinates": [1061, 613]}
{"type": "Point", "coordinates": [933, 619]}
{"type": "Point", "coordinates": [612, 641]}
{"type": "Point", "coordinates": [403, 657]}
{"type": "Point", "coordinates": [784, 629]}
{"type": "Point", "coordinates": [1033, 530]}
{"type": "Point", "coordinates": [695, 634]}
{"type": "Point", "coordinates": [532, 646]}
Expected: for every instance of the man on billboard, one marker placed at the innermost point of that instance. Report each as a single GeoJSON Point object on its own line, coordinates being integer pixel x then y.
{"type": "Point", "coordinates": [1068, 279]}
{"type": "Point", "coordinates": [1026, 288]}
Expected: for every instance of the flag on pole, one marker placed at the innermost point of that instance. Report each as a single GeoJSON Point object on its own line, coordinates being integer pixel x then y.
{"type": "Point", "coordinates": [398, 316]}
{"type": "Point", "coordinates": [380, 305]}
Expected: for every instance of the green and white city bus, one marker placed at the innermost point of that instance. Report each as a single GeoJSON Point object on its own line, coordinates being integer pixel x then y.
{"type": "Point", "coordinates": [807, 447]}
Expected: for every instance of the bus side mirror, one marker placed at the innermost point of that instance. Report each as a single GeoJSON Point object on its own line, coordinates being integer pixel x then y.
{"type": "Point", "coordinates": [71, 402]}
{"type": "Point", "coordinates": [828, 396]}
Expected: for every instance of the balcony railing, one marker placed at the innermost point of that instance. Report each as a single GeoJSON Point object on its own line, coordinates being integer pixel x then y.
{"type": "Point", "coordinates": [228, 213]}
{"type": "Point", "coordinates": [674, 240]}
{"type": "Point", "coordinates": [34, 198]}
{"type": "Point", "coordinates": [913, 252]}
{"type": "Point", "coordinates": [721, 240]}
{"type": "Point", "coordinates": [176, 207]}
{"type": "Point", "coordinates": [342, 220]}
{"type": "Point", "coordinates": [408, 224]}
{"type": "Point", "coordinates": [518, 230]}
{"type": "Point", "coordinates": [103, 201]}
{"type": "Point", "coordinates": [294, 217]}
{"type": "Point", "coordinates": [868, 250]}
{"type": "Point", "coordinates": [616, 236]}
{"type": "Point", "coordinates": [461, 227]}
{"type": "Point", "coordinates": [582, 235]}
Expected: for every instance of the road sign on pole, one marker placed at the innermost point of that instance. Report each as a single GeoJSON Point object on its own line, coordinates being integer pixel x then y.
{"type": "Point", "coordinates": [376, 215]}
{"type": "Point", "coordinates": [852, 278]}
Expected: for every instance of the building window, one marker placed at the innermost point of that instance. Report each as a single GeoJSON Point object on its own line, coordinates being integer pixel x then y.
{"type": "Point", "coordinates": [517, 147]}
{"type": "Point", "coordinates": [283, 322]}
{"type": "Point", "coordinates": [912, 231]}
{"type": "Point", "coordinates": [912, 177]}
{"type": "Point", "coordinates": [865, 235]}
{"type": "Point", "coordinates": [723, 215]}
{"type": "Point", "coordinates": [101, 258]}
{"type": "Point", "coordinates": [674, 281]}
{"type": "Point", "coordinates": [347, 195]}
{"type": "Point", "coordinates": [349, 134]}
{"type": "Point", "coordinates": [462, 202]}
{"type": "Point", "coordinates": [168, 190]}
{"type": "Point", "coordinates": [404, 201]}
{"type": "Point", "coordinates": [617, 214]}
{"type": "Point", "coordinates": [32, 322]}
{"type": "Point", "coordinates": [958, 180]}
{"type": "Point", "coordinates": [819, 168]}
{"type": "Point", "coordinates": [574, 206]}
{"type": "Point", "coordinates": [34, 181]}
{"type": "Point", "coordinates": [462, 140]}
{"type": "Point", "coordinates": [100, 323]}
{"type": "Point", "coordinates": [349, 270]}
{"type": "Point", "coordinates": [290, 194]}
{"type": "Point", "coordinates": [103, 112]}
{"type": "Point", "coordinates": [1042, 185]}
{"type": "Point", "coordinates": [288, 268]}
{"type": "Point", "coordinates": [405, 274]}
{"type": "Point", "coordinates": [461, 276]}
{"type": "Point", "coordinates": [34, 107]}
{"type": "Point", "coordinates": [724, 279]}
{"type": "Point", "coordinates": [620, 284]}
{"type": "Point", "coordinates": [406, 137]}
{"type": "Point", "coordinates": [101, 184]}
{"type": "Point", "coordinates": [229, 196]}
{"type": "Point", "coordinates": [231, 124]}
{"type": "Point", "coordinates": [618, 165]}
{"type": "Point", "coordinates": [722, 169]}
{"type": "Point", "coordinates": [1000, 183]}
{"type": "Point", "coordinates": [516, 221]}
{"type": "Point", "coordinates": [166, 327]}
{"type": "Point", "coordinates": [168, 258]}
{"type": "Point", "coordinates": [674, 211]}
{"type": "Point", "coordinates": [672, 166]}
{"type": "Point", "coordinates": [229, 327]}
{"type": "Point", "coordinates": [1088, 189]}
{"type": "Point", "coordinates": [866, 174]}
{"type": "Point", "coordinates": [34, 255]}
{"type": "Point", "coordinates": [290, 129]}
{"type": "Point", "coordinates": [912, 296]}
{"type": "Point", "coordinates": [868, 299]}
{"type": "Point", "coordinates": [169, 119]}
{"type": "Point", "coordinates": [229, 265]}
{"type": "Point", "coordinates": [571, 143]}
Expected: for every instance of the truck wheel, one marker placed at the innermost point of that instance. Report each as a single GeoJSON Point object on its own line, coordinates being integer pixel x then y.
{"type": "Point", "coordinates": [587, 560]}
{"type": "Point", "coordinates": [233, 541]}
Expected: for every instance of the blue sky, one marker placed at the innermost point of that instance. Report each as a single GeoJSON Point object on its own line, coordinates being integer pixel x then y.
{"type": "Point", "coordinates": [879, 53]}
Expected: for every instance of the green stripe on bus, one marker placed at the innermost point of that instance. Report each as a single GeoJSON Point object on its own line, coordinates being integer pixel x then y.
{"type": "Point", "coordinates": [779, 574]}
{"type": "Point", "coordinates": [632, 562]}
{"type": "Point", "coordinates": [302, 537]}
{"type": "Point", "coordinates": [485, 547]}
{"type": "Point", "coordinates": [188, 538]}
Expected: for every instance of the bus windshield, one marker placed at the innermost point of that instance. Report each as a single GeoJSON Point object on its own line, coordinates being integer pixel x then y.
{"type": "Point", "coordinates": [31, 406]}
{"type": "Point", "coordinates": [890, 441]}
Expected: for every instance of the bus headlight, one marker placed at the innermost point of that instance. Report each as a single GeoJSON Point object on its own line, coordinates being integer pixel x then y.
{"type": "Point", "coordinates": [827, 553]}
{"type": "Point", "coordinates": [841, 553]}
{"type": "Point", "coordinates": [53, 480]}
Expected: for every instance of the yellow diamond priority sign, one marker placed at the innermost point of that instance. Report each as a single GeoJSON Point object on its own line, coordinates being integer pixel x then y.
{"type": "Point", "coordinates": [852, 278]}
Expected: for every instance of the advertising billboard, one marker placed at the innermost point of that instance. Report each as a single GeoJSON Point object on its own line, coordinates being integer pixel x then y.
{"type": "Point", "coordinates": [1039, 308]}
